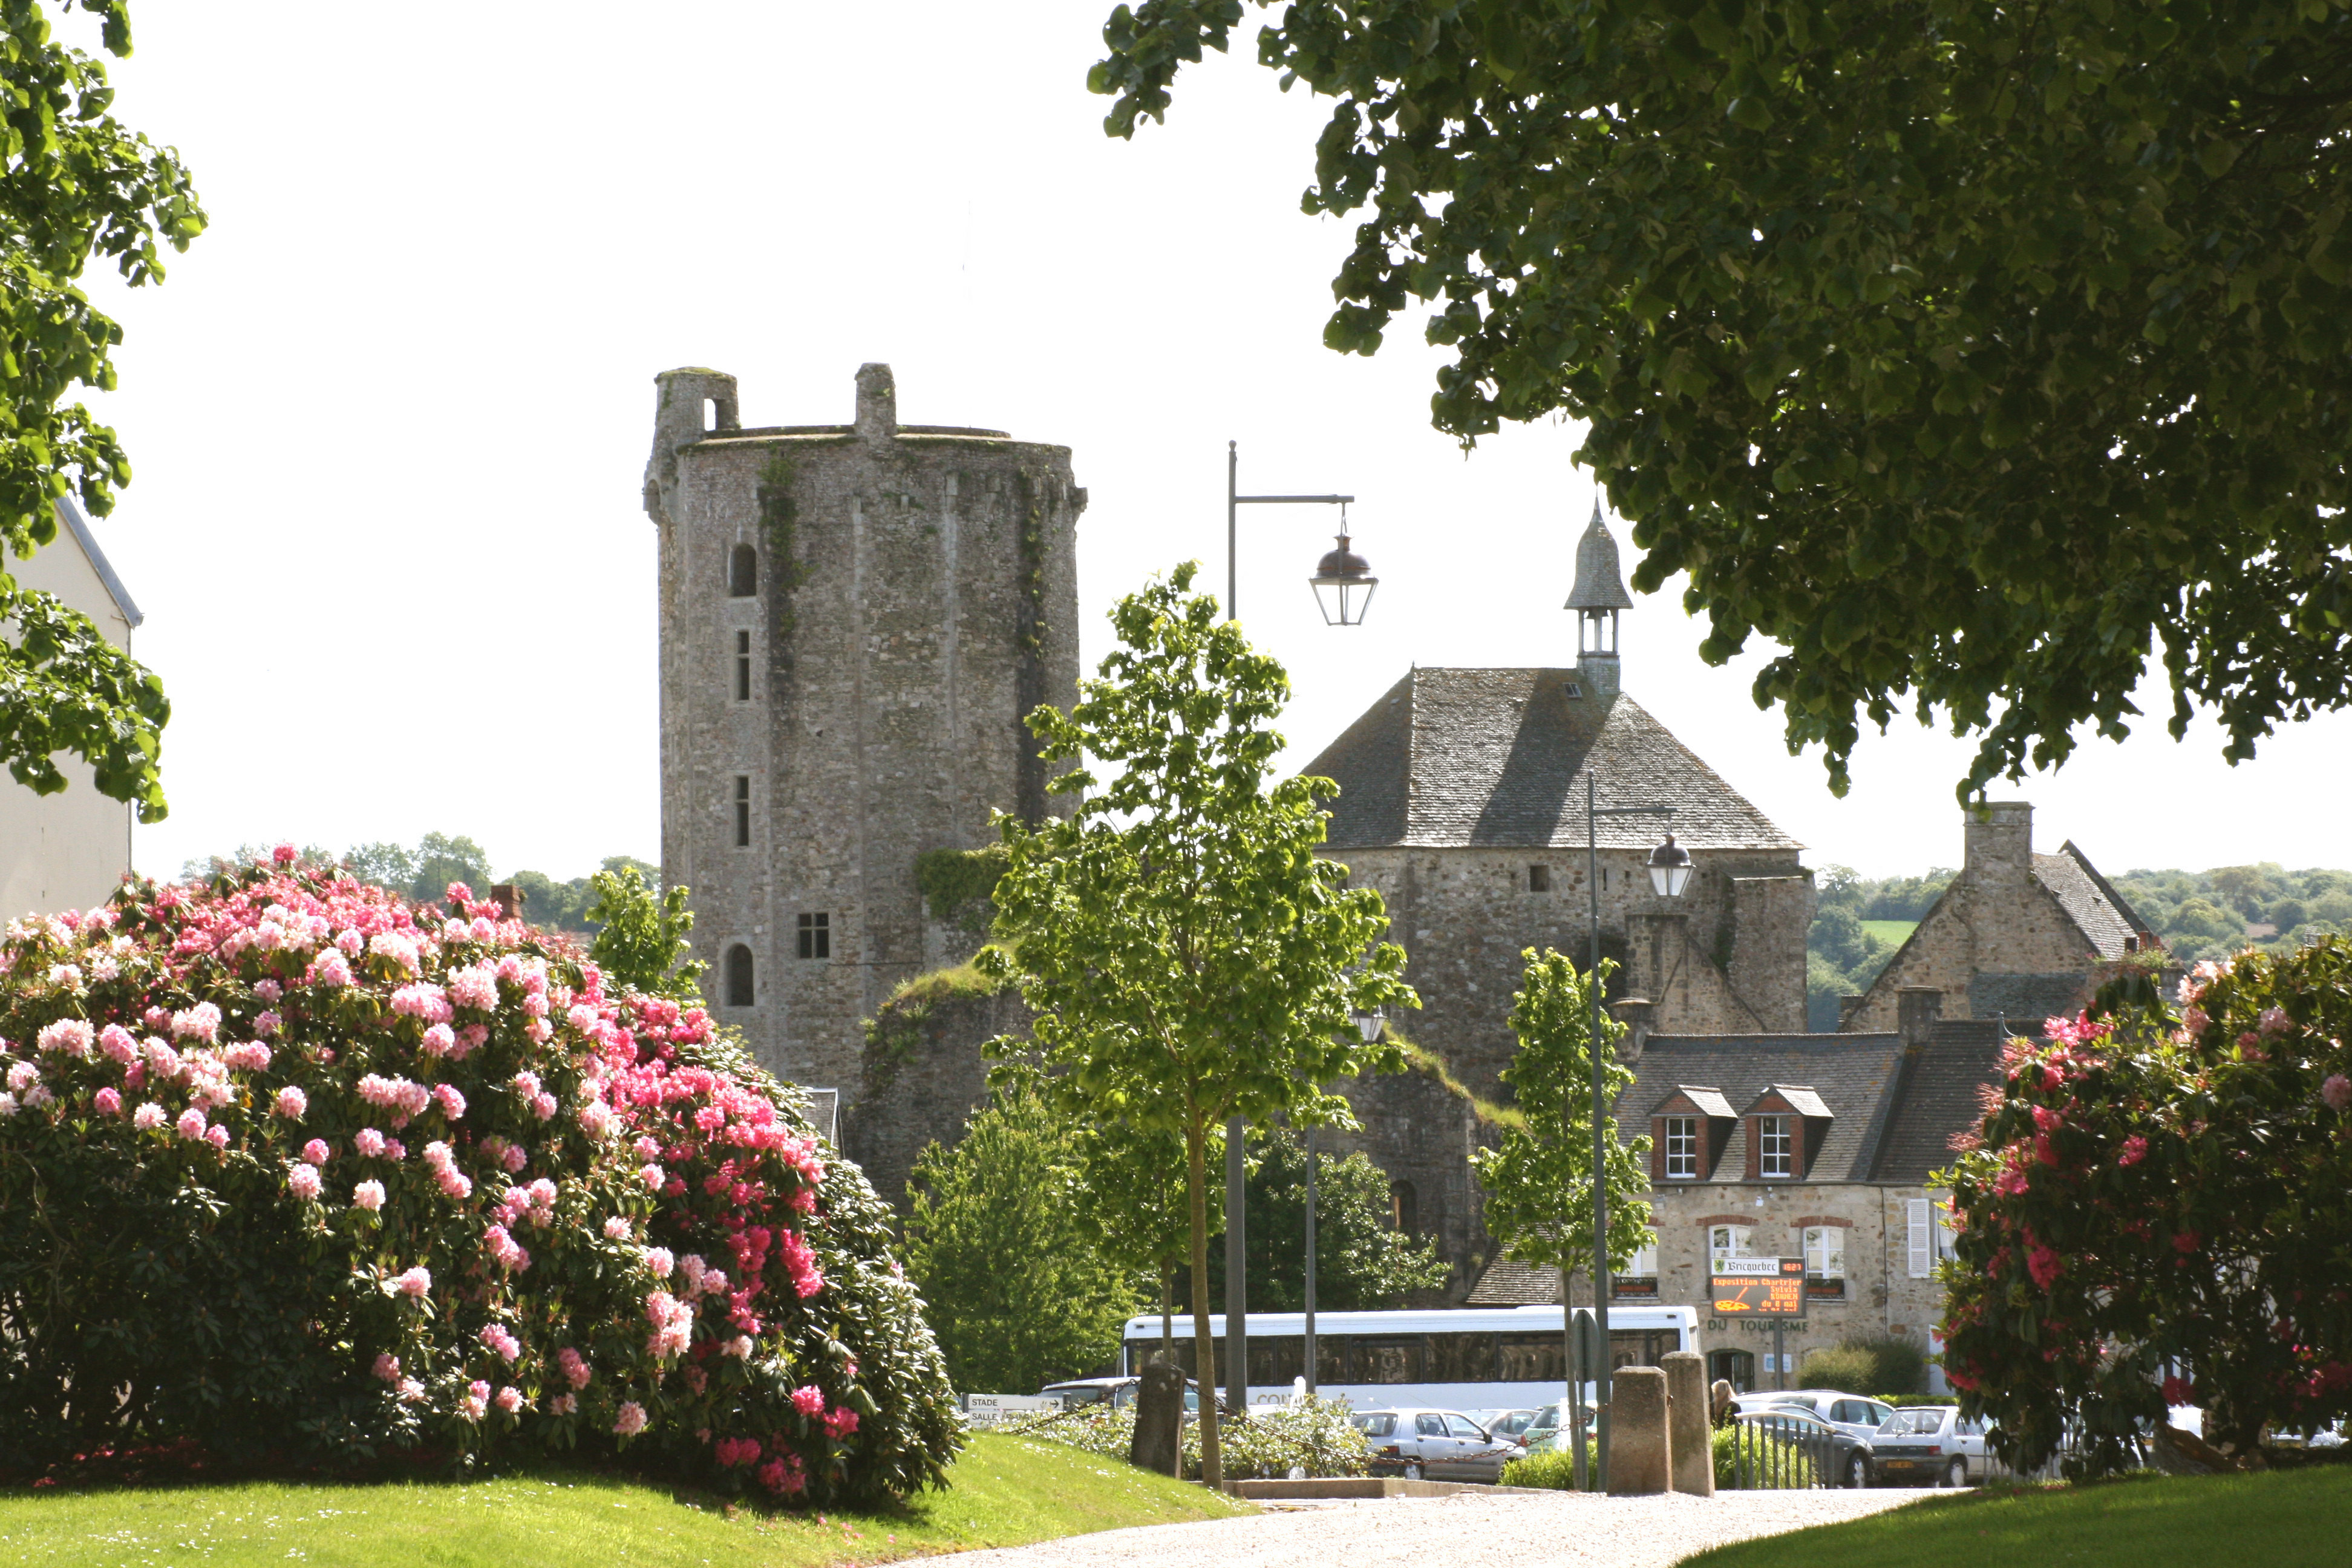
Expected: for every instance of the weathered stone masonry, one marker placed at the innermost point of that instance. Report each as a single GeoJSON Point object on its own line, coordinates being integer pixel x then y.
{"type": "Point", "coordinates": [854, 620]}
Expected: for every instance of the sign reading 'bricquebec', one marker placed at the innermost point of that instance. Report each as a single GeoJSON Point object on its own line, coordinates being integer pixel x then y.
{"type": "Point", "coordinates": [1757, 1287]}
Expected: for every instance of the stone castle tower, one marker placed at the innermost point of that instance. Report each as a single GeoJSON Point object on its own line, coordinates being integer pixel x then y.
{"type": "Point", "coordinates": [854, 618]}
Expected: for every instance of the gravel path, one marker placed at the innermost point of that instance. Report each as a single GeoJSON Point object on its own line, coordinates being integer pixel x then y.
{"type": "Point", "coordinates": [1465, 1531]}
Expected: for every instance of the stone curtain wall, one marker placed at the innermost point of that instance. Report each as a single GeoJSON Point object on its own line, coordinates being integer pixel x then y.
{"type": "Point", "coordinates": [917, 596]}
{"type": "Point", "coordinates": [921, 1075]}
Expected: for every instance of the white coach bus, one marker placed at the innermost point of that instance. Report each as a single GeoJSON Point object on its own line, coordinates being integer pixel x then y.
{"type": "Point", "coordinates": [1461, 1358]}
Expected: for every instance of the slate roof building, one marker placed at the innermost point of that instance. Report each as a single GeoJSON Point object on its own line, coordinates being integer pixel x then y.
{"type": "Point", "coordinates": [1818, 1146]}
{"type": "Point", "coordinates": [1462, 796]}
{"type": "Point", "coordinates": [67, 851]}
{"type": "Point", "coordinates": [2016, 936]}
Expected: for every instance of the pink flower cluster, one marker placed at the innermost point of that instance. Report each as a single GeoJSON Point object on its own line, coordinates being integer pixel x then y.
{"type": "Point", "coordinates": [454, 1183]}
{"type": "Point", "coordinates": [574, 1367]}
{"type": "Point", "coordinates": [500, 1339]}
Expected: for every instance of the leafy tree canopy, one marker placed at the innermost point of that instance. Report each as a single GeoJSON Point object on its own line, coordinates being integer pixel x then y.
{"type": "Point", "coordinates": [1970, 352]}
{"type": "Point", "coordinates": [1362, 1261]}
{"type": "Point", "coordinates": [73, 183]}
{"type": "Point", "coordinates": [1015, 1281]}
{"type": "Point", "coordinates": [1539, 1179]}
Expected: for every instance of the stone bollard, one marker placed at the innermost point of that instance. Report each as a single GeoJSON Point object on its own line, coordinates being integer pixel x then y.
{"type": "Point", "coordinates": [1690, 1436]}
{"type": "Point", "coordinates": [1159, 1417]}
{"type": "Point", "coordinates": [1640, 1464]}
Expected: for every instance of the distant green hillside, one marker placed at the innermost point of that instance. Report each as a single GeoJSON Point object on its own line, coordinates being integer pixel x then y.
{"type": "Point", "coordinates": [2205, 914]}
{"type": "Point", "coordinates": [2200, 915]}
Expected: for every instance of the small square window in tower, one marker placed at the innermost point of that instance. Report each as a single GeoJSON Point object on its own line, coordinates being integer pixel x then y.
{"type": "Point", "coordinates": [742, 666]}
{"type": "Point", "coordinates": [816, 936]}
{"type": "Point", "coordinates": [742, 811]}
{"type": "Point", "coordinates": [1539, 878]}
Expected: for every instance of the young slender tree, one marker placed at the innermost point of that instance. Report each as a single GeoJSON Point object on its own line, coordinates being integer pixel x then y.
{"type": "Point", "coordinates": [1539, 1179]}
{"type": "Point", "coordinates": [1188, 955]}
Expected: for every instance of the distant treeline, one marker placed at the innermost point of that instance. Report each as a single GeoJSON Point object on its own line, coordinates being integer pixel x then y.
{"type": "Point", "coordinates": [425, 872]}
{"type": "Point", "coordinates": [2205, 915]}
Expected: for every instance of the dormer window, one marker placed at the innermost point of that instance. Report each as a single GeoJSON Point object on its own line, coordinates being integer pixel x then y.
{"type": "Point", "coordinates": [1688, 1129]}
{"type": "Point", "coordinates": [1785, 1129]}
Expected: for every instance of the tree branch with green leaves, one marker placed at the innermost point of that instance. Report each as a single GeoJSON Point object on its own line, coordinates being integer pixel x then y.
{"type": "Point", "coordinates": [1975, 354]}
{"type": "Point", "coordinates": [74, 183]}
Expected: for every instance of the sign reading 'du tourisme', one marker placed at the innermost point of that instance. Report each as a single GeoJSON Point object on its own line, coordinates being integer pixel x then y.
{"type": "Point", "coordinates": [1757, 1287]}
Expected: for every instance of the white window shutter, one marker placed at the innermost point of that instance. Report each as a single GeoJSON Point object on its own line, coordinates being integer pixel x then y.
{"type": "Point", "coordinates": [1923, 1256]}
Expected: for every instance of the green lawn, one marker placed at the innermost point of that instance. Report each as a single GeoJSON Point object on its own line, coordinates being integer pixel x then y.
{"type": "Point", "coordinates": [1005, 1492]}
{"type": "Point", "coordinates": [2280, 1520]}
{"type": "Point", "coordinates": [1893, 934]}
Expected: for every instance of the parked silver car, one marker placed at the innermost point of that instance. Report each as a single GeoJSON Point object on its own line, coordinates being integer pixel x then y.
{"type": "Point", "coordinates": [1930, 1442]}
{"type": "Point", "coordinates": [1505, 1423]}
{"type": "Point", "coordinates": [1852, 1414]}
{"type": "Point", "coordinates": [1434, 1445]}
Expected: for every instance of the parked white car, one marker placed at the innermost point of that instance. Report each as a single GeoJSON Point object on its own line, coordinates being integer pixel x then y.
{"type": "Point", "coordinates": [1855, 1414]}
{"type": "Point", "coordinates": [1930, 1442]}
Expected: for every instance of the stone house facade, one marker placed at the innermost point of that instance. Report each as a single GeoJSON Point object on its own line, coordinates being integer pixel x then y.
{"type": "Point", "coordinates": [68, 850]}
{"type": "Point", "coordinates": [854, 620]}
{"type": "Point", "coordinates": [1814, 1146]}
{"type": "Point", "coordinates": [1461, 797]}
{"type": "Point", "coordinates": [2016, 936]}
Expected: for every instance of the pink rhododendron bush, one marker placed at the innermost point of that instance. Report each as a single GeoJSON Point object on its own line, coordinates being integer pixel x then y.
{"type": "Point", "coordinates": [2160, 1213]}
{"type": "Point", "coordinates": [295, 1173]}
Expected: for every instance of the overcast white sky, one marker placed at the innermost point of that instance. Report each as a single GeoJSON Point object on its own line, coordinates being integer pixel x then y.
{"type": "Point", "coordinates": [389, 416]}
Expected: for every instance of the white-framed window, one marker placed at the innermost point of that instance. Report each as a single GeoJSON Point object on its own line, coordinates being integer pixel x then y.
{"type": "Point", "coordinates": [1825, 1252]}
{"type": "Point", "coordinates": [1646, 1260]}
{"type": "Point", "coordinates": [1682, 1148]}
{"type": "Point", "coordinates": [1931, 1235]}
{"type": "Point", "coordinates": [1725, 1241]}
{"type": "Point", "coordinates": [1775, 1147]}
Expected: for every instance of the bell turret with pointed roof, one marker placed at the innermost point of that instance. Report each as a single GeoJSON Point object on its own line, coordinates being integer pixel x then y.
{"type": "Point", "coordinates": [1597, 598]}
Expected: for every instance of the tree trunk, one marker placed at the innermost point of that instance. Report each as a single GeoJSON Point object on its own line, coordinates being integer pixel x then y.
{"type": "Point", "coordinates": [1204, 1343]}
{"type": "Point", "coordinates": [1166, 1309]}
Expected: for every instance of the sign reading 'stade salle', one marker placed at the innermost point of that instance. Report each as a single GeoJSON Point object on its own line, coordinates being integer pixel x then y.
{"type": "Point", "coordinates": [1757, 1287]}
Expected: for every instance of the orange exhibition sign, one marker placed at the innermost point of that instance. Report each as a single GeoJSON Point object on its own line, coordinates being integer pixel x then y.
{"type": "Point", "coordinates": [1757, 1287]}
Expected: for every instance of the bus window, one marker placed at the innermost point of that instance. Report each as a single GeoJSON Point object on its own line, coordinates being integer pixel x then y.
{"type": "Point", "coordinates": [1641, 1347]}
{"type": "Point", "coordinates": [1533, 1358]}
{"type": "Point", "coordinates": [1140, 1352]}
{"type": "Point", "coordinates": [1461, 1358]}
{"type": "Point", "coordinates": [1387, 1361]}
{"type": "Point", "coordinates": [1330, 1359]}
{"type": "Point", "coordinates": [1276, 1358]}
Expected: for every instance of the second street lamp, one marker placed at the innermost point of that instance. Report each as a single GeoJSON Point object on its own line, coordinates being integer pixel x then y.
{"type": "Point", "coordinates": [1343, 584]}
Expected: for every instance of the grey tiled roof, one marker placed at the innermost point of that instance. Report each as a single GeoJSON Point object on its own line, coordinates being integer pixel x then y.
{"type": "Point", "coordinates": [1801, 1099]}
{"type": "Point", "coordinates": [1507, 1282]}
{"type": "Point", "coordinates": [2027, 999]}
{"type": "Point", "coordinates": [1938, 1098]}
{"type": "Point", "coordinates": [1464, 758]}
{"type": "Point", "coordinates": [1710, 1101]}
{"type": "Point", "coordinates": [1851, 1075]}
{"type": "Point", "coordinates": [1894, 1112]}
{"type": "Point", "coordinates": [2093, 906]}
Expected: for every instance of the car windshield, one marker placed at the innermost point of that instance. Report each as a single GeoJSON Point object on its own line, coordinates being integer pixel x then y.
{"type": "Point", "coordinates": [1916, 1422]}
{"type": "Point", "coordinates": [1545, 1420]}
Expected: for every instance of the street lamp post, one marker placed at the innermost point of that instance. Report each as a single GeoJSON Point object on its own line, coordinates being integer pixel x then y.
{"type": "Point", "coordinates": [1343, 584]}
{"type": "Point", "coordinates": [1669, 870]}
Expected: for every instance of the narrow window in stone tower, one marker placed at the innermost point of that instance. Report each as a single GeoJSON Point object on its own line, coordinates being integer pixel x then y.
{"type": "Point", "coordinates": [742, 666]}
{"type": "Point", "coordinates": [743, 573]}
{"type": "Point", "coordinates": [816, 936]}
{"type": "Point", "coordinates": [1404, 1211]}
{"type": "Point", "coordinates": [740, 990]}
{"type": "Point", "coordinates": [1539, 878]}
{"type": "Point", "coordinates": [742, 811]}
